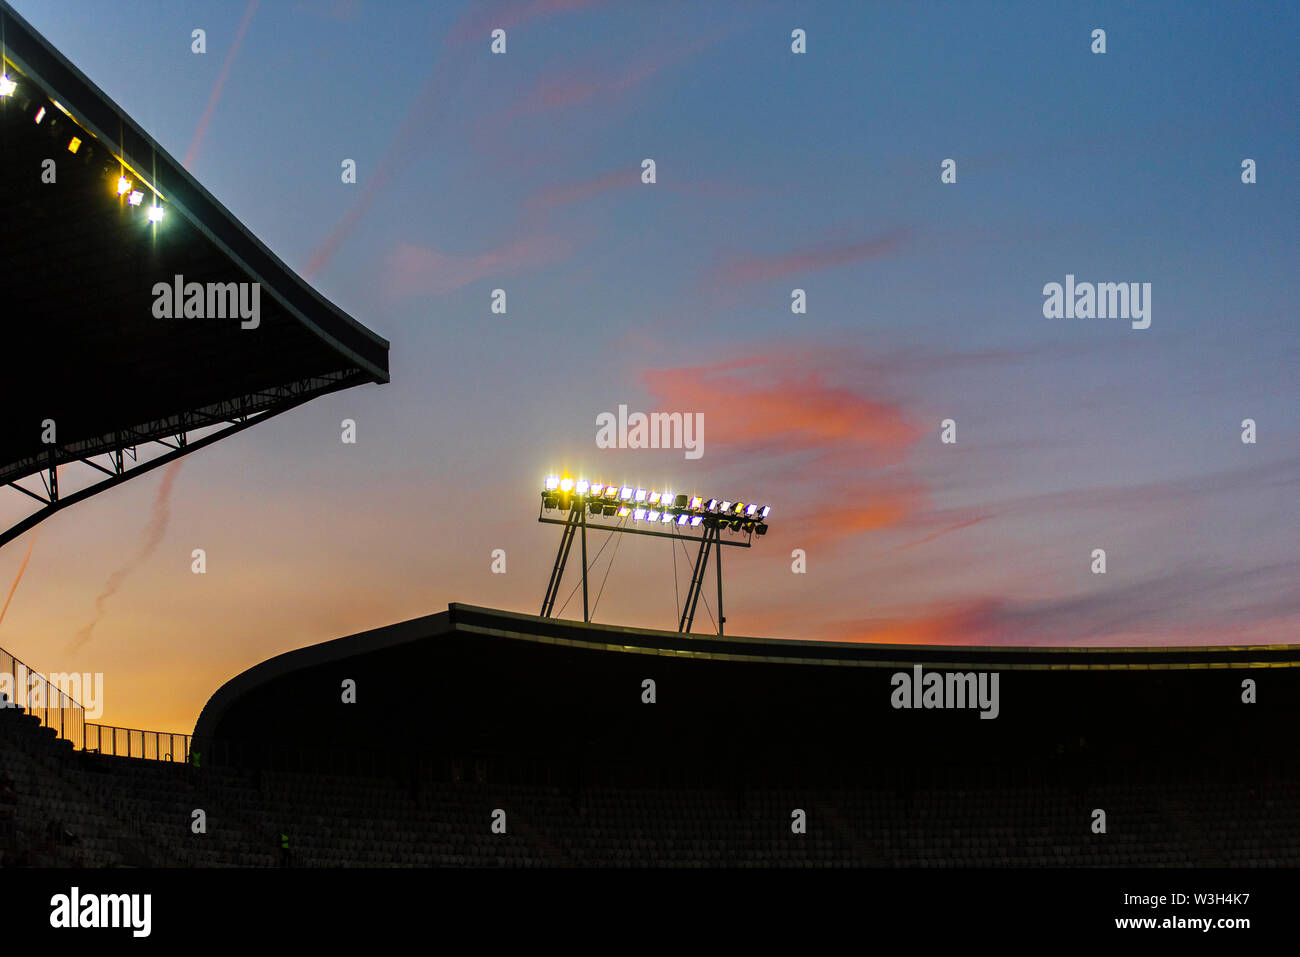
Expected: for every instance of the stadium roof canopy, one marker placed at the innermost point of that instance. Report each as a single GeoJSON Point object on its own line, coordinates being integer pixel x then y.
{"type": "Point", "coordinates": [473, 679]}
{"type": "Point", "coordinates": [79, 263]}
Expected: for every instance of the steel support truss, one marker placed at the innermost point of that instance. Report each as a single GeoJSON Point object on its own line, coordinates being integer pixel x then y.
{"type": "Point", "coordinates": [118, 453]}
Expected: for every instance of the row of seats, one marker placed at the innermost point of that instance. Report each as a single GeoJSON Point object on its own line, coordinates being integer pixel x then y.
{"type": "Point", "coordinates": [131, 811]}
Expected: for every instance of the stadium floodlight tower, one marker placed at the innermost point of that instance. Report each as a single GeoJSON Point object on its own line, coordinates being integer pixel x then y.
{"type": "Point", "coordinates": [630, 510]}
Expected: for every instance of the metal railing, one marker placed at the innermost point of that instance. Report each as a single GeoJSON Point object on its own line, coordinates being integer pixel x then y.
{"type": "Point", "coordinates": [35, 694]}
{"type": "Point", "coordinates": [134, 743]}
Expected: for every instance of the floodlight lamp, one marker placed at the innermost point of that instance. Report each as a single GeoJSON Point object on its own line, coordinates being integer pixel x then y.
{"type": "Point", "coordinates": [597, 489]}
{"type": "Point", "coordinates": [740, 508]}
{"type": "Point", "coordinates": [697, 503]}
{"type": "Point", "coordinates": [654, 498]}
{"type": "Point", "coordinates": [74, 144]}
{"type": "Point", "coordinates": [624, 511]}
{"type": "Point", "coordinates": [638, 515]}
{"type": "Point", "coordinates": [713, 505]}
{"type": "Point", "coordinates": [611, 491]}
{"type": "Point", "coordinates": [552, 483]}
{"type": "Point", "coordinates": [751, 511]}
{"type": "Point", "coordinates": [725, 506]}
{"type": "Point", "coordinates": [582, 487]}
{"type": "Point", "coordinates": [640, 495]}
{"type": "Point", "coordinates": [155, 214]}
{"type": "Point", "coordinates": [7, 86]}
{"type": "Point", "coordinates": [40, 115]}
{"type": "Point", "coordinates": [625, 494]}
{"type": "Point", "coordinates": [666, 518]}
{"type": "Point", "coordinates": [666, 498]}
{"type": "Point", "coordinates": [766, 509]}
{"type": "Point", "coordinates": [566, 484]}
{"type": "Point", "coordinates": [123, 185]}
{"type": "Point", "coordinates": [653, 515]}
{"type": "Point", "coordinates": [695, 520]}
{"type": "Point", "coordinates": [136, 198]}
{"type": "Point", "coordinates": [683, 519]}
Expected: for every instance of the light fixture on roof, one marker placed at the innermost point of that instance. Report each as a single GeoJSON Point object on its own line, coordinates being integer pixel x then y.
{"type": "Point", "coordinates": [155, 214]}
{"type": "Point", "coordinates": [123, 185]}
{"type": "Point", "coordinates": [644, 507]}
{"type": "Point", "coordinates": [7, 86]}
{"type": "Point", "coordinates": [74, 144]}
{"type": "Point", "coordinates": [40, 115]}
{"type": "Point", "coordinates": [136, 198]}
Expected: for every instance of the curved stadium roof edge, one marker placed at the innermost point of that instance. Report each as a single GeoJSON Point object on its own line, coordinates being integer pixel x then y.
{"type": "Point", "coordinates": [470, 622]}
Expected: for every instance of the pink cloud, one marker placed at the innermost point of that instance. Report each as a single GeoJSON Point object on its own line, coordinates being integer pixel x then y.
{"type": "Point", "coordinates": [482, 19]}
{"type": "Point", "coordinates": [740, 269]}
{"type": "Point", "coordinates": [421, 270]}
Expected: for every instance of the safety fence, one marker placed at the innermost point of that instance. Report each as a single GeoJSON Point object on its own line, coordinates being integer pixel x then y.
{"type": "Point", "coordinates": [57, 709]}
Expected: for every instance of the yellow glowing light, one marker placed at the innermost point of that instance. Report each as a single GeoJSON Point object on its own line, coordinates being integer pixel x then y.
{"type": "Point", "coordinates": [74, 145]}
{"type": "Point", "coordinates": [123, 185]}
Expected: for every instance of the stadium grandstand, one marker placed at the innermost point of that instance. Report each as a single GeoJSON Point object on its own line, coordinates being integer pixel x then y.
{"type": "Point", "coordinates": [401, 746]}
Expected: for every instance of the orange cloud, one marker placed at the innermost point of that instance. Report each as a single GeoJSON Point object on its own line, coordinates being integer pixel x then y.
{"type": "Point", "coordinates": [831, 441]}
{"type": "Point", "coordinates": [958, 624]}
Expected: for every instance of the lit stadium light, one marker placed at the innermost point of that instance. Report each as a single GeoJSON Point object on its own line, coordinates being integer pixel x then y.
{"type": "Point", "coordinates": [751, 511]}
{"type": "Point", "coordinates": [566, 485]}
{"type": "Point", "coordinates": [123, 185]}
{"type": "Point", "coordinates": [40, 115]}
{"type": "Point", "coordinates": [697, 503]}
{"type": "Point", "coordinates": [740, 508]}
{"type": "Point", "coordinates": [713, 505]}
{"type": "Point", "coordinates": [640, 495]}
{"type": "Point", "coordinates": [683, 519]}
{"type": "Point", "coordinates": [552, 483]}
{"type": "Point", "coordinates": [136, 198]}
{"type": "Point", "coordinates": [582, 486]}
{"type": "Point", "coordinates": [638, 515]}
{"type": "Point", "coordinates": [625, 494]}
{"type": "Point", "coordinates": [652, 515]}
{"type": "Point", "coordinates": [624, 511]}
{"type": "Point", "coordinates": [155, 214]}
{"type": "Point", "coordinates": [611, 491]}
{"type": "Point", "coordinates": [74, 144]}
{"type": "Point", "coordinates": [7, 86]}
{"type": "Point", "coordinates": [766, 511]}
{"type": "Point", "coordinates": [667, 518]}
{"type": "Point", "coordinates": [724, 507]}
{"type": "Point", "coordinates": [695, 520]}
{"type": "Point", "coordinates": [654, 498]}
{"type": "Point", "coordinates": [596, 489]}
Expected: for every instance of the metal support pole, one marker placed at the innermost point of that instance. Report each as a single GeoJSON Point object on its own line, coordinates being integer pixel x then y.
{"type": "Point", "coordinates": [586, 616]}
{"type": "Point", "coordinates": [718, 563]}
{"type": "Point", "coordinates": [561, 559]}
{"type": "Point", "coordinates": [697, 582]}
